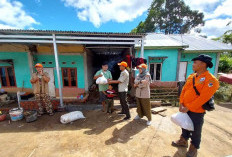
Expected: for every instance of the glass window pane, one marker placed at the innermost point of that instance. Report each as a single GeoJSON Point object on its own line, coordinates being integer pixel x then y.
{"type": "Point", "coordinates": [65, 77]}
{"type": "Point", "coordinates": [152, 71]}
{"type": "Point", "coordinates": [158, 71]}
{"type": "Point", "coordinates": [73, 77]}
{"type": "Point", "coordinates": [3, 77]}
{"type": "Point", "coordinates": [11, 76]}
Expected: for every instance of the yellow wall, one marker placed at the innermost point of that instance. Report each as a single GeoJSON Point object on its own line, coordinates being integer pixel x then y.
{"type": "Point", "coordinates": [13, 48]}
{"type": "Point", "coordinates": [61, 49]}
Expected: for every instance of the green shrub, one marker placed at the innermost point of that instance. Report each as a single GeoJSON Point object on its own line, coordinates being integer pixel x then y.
{"type": "Point", "coordinates": [224, 93]}
{"type": "Point", "coordinates": [225, 63]}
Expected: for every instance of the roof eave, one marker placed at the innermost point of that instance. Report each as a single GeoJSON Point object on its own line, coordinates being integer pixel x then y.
{"type": "Point", "coordinates": [162, 47]}
{"type": "Point", "coordinates": [197, 51]}
{"type": "Point", "coordinates": [138, 35]}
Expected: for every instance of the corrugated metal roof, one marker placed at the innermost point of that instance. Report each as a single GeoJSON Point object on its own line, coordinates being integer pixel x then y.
{"type": "Point", "coordinates": [41, 32]}
{"type": "Point", "coordinates": [161, 40]}
{"type": "Point", "coordinates": [197, 43]}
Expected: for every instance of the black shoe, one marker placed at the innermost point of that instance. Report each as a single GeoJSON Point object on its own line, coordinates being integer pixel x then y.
{"type": "Point", "coordinates": [121, 113]}
{"type": "Point", "coordinates": [126, 118]}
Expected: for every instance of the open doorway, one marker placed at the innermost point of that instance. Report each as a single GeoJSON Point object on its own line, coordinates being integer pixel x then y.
{"type": "Point", "coordinates": [112, 56]}
{"type": "Point", "coordinates": [95, 58]}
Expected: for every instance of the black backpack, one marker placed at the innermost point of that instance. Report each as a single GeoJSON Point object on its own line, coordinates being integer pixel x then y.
{"type": "Point", "coordinates": [209, 105]}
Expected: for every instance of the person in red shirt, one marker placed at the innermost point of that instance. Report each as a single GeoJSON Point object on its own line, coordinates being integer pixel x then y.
{"type": "Point", "coordinates": [110, 94]}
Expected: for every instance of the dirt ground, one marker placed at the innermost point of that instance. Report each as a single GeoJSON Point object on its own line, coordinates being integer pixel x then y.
{"type": "Point", "coordinates": [100, 135]}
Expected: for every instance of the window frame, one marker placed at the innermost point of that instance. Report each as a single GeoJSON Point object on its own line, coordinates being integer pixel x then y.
{"type": "Point", "coordinates": [7, 77]}
{"type": "Point", "coordinates": [69, 77]}
{"type": "Point", "coordinates": [154, 72]}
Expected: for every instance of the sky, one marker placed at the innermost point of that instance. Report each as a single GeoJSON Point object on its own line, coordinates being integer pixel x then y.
{"type": "Point", "coordinates": [102, 15]}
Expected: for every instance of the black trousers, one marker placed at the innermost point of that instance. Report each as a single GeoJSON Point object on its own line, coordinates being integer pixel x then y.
{"type": "Point", "coordinates": [198, 120]}
{"type": "Point", "coordinates": [124, 104]}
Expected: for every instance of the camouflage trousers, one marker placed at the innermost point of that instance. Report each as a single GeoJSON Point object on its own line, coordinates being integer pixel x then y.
{"type": "Point", "coordinates": [44, 99]}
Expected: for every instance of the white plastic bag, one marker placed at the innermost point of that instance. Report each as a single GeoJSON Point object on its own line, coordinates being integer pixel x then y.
{"type": "Point", "coordinates": [72, 116]}
{"type": "Point", "coordinates": [183, 120]}
{"type": "Point", "coordinates": [101, 80]}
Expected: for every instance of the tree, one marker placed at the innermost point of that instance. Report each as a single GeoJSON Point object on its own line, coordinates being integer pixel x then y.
{"type": "Point", "coordinates": [225, 62]}
{"type": "Point", "coordinates": [170, 17]}
{"type": "Point", "coordinates": [226, 37]}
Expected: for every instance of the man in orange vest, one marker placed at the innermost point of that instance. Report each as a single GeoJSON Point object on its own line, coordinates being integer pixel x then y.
{"type": "Point", "coordinates": [191, 102]}
{"type": "Point", "coordinates": [40, 81]}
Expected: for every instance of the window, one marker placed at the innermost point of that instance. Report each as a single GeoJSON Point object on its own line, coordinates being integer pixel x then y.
{"type": "Point", "coordinates": [156, 71]}
{"type": "Point", "coordinates": [69, 77]}
{"type": "Point", "coordinates": [7, 77]}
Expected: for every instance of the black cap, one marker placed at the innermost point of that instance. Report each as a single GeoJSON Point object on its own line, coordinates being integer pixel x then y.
{"type": "Point", "coordinates": [104, 63]}
{"type": "Point", "coordinates": [204, 58]}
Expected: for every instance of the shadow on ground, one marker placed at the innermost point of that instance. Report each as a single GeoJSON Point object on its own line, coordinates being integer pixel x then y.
{"type": "Point", "coordinates": [126, 133]}
{"type": "Point", "coordinates": [96, 122]}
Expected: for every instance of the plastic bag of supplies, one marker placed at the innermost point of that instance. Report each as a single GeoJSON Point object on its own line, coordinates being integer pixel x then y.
{"type": "Point", "coordinates": [183, 120]}
{"type": "Point", "coordinates": [101, 80]}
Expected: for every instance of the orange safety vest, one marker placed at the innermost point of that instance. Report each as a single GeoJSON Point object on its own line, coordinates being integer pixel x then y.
{"type": "Point", "coordinates": [206, 84]}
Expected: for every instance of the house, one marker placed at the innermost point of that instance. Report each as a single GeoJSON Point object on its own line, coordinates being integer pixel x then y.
{"type": "Point", "coordinates": [71, 58]}
{"type": "Point", "coordinates": [169, 56]}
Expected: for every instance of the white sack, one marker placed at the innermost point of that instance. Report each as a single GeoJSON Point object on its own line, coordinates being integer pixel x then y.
{"type": "Point", "coordinates": [183, 120]}
{"type": "Point", "coordinates": [72, 116]}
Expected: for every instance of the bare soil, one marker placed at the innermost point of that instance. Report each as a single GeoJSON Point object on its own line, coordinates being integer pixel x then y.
{"type": "Point", "coordinates": [101, 135]}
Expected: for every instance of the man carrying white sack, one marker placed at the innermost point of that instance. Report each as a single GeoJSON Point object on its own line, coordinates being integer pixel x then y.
{"type": "Point", "coordinates": [193, 101]}
{"type": "Point", "coordinates": [103, 87]}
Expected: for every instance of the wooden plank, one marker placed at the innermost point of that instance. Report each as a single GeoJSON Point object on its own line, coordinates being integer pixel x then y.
{"type": "Point", "coordinates": [155, 103]}
{"type": "Point", "coordinates": [164, 95]}
{"type": "Point", "coordinates": [164, 99]}
{"type": "Point", "coordinates": [164, 88]}
{"type": "Point", "coordinates": [158, 110]}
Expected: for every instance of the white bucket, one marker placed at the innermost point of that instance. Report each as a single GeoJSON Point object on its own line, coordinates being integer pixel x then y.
{"type": "Point", "coordinates": [16, 114]}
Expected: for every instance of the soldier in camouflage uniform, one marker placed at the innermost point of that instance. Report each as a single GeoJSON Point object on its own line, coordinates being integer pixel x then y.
{"type": "Point", "coordinates": [40, 81]}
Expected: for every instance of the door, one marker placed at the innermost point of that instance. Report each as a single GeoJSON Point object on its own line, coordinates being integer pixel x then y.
{"type": "Point", "coordinates": [7, 77]}
{"type": "Point", "coordinates": [183, 71]}
{"type": "Point", "coordinates": [51, 83]}
{"type": "Point", "coordinates": [156, 71]}
{"type": "Point", "coordinates": [69, 76]}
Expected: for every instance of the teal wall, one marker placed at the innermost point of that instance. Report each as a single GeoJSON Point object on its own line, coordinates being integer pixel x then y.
{"type": "Point", "coordinates": [169, 65]}
{"type": "Point", "coordinates": [187, 57]}
{"type": "Point", "coordinates": [68, 59]}
{"type": "Point", "coordinates": [21, 67]}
